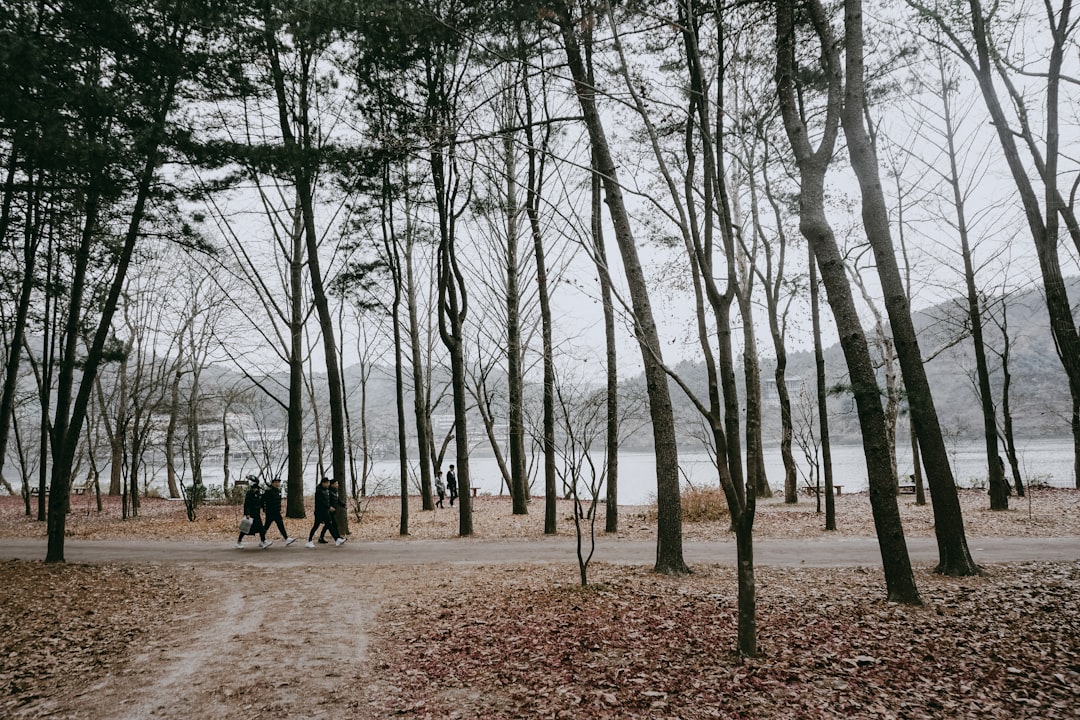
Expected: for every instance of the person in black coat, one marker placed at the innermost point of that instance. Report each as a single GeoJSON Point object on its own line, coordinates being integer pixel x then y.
{"type": "Point", "coordinates": [252, 505]}
{"type": "Point", "coordinates": [337, 507]}
{"type": "Point", "coordinates": [322, 514]}
{"type": "Point", "coordinates": [451, 484]}
{"type": "Point", "coordinates": [271, 504]}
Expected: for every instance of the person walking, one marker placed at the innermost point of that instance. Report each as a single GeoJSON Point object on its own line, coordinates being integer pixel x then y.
{"type": "Point", "coordinates": [252, 503]}
{"type": "Point", "coordinates": [451, 484]}
{"type": "Point", "coordinates": [271, 504]}
{"type": "Point", "coordinates": [322, 513]}
{"type": "Point", "coordinates": [440, 487]}
{"type": "Point", "coordinates": [337, 507]}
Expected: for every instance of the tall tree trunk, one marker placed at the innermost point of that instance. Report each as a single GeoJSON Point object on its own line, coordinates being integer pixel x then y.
{"type": "Point", "coordinates": [18, 330]}
{"type": "Point", "coordinates": [70, 413]}
{"type": "Point", "coordinates": [519, 484]}
{"type": "Point", "coordinates": [999, 496]}
{"type": "Point", "coordinates": [813, 164]}
{"type": "Point", "coordinates": [787, 430]}
{"type": "Point", "coordinates": [954, 558]}
{"type": "Point", "coordinates": [300, 149]}
{"type": "Point", "coordinates": [452, 311]}
{"type": "Point", "coordinates": [294, 431]}
{"type": "Point", "coordinates": [534, 183]}
{"type": "Point", "coordinates": [611, 370]}
{"type": "Point", "coordinates": [669, 551]}
{"type": "Point", "coordinates": [424, 439]}
{"type": "Point", "coordinates": [399, 394]}
{"type": "Point", "coordinates": [116, 446]}
{"type": "Point", "coordinates": [822, 395]}
{"type": "Point", "coordinates": [452, 295]}
{"type": "Point", "coordinates": [1009, 436]}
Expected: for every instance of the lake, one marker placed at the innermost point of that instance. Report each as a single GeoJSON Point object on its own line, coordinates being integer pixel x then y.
{"type": "Point", "coordinates": [1046, 461]}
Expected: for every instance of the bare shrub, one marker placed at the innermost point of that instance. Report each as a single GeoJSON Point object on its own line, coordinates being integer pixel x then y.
{"type": "Point", "coordinates": [707, 504]}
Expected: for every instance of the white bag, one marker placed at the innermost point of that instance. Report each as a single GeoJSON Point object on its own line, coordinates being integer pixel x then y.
{"type": "Point", "coordinates": [245, 525]}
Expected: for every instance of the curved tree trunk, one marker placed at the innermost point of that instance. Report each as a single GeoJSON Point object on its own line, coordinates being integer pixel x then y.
{"type": "Point", "coordinates": [954, 557]}
{"type": "Point", "coordinates": [899, 578]}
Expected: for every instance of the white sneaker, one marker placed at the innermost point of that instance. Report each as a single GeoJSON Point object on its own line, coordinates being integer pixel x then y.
{"type": "Point", "coordinates": [239, 545]}
{"type": "Point", "coordinates": [289, 541]}
{"type": "Point", "coordinates": [266, 544]}
{"type": "Point", "coordinates": [310, 544]}
{"type": "Point", "coordinates": [339, 541]}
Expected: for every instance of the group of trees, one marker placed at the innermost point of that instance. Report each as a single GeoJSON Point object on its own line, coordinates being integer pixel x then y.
{"type": "Point", "coordinates": [288, 188]}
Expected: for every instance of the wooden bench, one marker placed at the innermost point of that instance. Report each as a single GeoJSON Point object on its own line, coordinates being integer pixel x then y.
{"type": "Point", "coordinates": [907, 489]}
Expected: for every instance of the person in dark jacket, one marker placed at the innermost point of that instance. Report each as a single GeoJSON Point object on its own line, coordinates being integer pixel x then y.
{"type": "Point", "coordinates": [451, 484]}
{"type": "Point", "coordinates": [322, 514]}
{"type": "Point", "coordinates": [252, 503]}
{"type": "Point", "coordinates": [337, 507]}
{"type": "Point", "coordinates": [271, 504]}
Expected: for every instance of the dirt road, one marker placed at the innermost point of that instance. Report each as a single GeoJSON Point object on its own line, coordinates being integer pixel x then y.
{"type": "Point", "coordinates": [830, 552]}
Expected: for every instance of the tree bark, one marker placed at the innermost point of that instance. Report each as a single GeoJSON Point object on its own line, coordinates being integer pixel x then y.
{"type": "Point", "coordinates": [954, 558]}
{"type": "Point", "coordinates": [519, 486]}
{"type": "Point", "coordinates": [669, 552]}
{"type": "Point", "coordinates": [812, 164]}
{"type": "Point", "coordinates": [822, 395]}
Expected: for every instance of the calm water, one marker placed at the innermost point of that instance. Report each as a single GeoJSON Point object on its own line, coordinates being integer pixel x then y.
{"type": "Point", "coordinates": [1047, 461]}
{"type": "Point", "coordinates": [1050, 462]}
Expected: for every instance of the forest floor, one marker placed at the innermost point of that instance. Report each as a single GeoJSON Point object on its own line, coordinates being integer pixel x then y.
{"type": "Point", "coordinates": [243, 637]}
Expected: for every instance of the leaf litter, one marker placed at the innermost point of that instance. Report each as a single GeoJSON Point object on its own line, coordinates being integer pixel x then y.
{"type": "Point", "coordinates": [464, 641]}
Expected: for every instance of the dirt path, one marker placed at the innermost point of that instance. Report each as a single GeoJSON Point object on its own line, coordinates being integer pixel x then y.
{"type": "Point", "coordinates": [829, 552]}
{"type": "Point", "coordinates": [238, 654]}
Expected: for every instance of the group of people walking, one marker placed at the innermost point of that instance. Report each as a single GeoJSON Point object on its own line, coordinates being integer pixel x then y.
{"type": "Point", "coordinates": [263, 507]}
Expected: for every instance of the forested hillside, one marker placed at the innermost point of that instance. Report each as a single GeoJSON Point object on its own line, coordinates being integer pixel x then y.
{"type": "Point", "coordinates": [1039, 396]}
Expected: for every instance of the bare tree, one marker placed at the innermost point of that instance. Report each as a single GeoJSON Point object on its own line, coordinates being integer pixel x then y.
{"type": "Point", "coordinates": [569, 17]}
{"type": "Point", "coordinates": [582, 423]}
{"type": "Point", "coordinates": [971, 36]}
{"type": "Point", "coordinates": [812, 164]}
{"type": "Point", "coordinates": [954, 557]}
